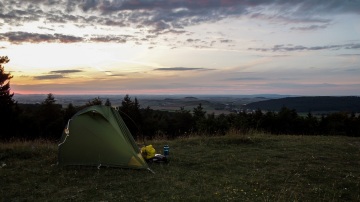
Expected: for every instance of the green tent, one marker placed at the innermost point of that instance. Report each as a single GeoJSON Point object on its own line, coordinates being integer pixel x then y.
{"type": "Point", "coordinates": [97, 136]}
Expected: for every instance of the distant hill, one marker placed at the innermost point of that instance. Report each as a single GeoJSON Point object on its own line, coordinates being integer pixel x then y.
{"type": "Point", "coordinates": [310, 104]}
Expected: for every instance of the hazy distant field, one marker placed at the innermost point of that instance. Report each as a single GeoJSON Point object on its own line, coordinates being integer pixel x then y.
{"type": "Point", "coordinates": [255, 167]}
{"type": "Point", "coordinates": [212, 103]}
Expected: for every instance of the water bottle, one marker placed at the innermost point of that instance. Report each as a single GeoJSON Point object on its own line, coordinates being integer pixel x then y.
{"type": "Point", "coordinates": [166, 150]}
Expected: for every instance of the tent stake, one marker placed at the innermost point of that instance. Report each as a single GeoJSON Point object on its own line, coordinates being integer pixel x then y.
{"type": "Point", "coordinates": [151, 171]}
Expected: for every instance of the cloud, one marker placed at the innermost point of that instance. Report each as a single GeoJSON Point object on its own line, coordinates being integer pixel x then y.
{"type": "Point", "coordinates": [116, 75]}
{"type": "Point", "coordinates": [48, 77]}
{"type": "Point", "coordinates": [310, 28]}
{"type": "Point", "coordinates": [356, 69]}
{"type": "Point", "coordinates": [179, 69]}
{"type": "Point", "coordinates": [27, 37]}
{"type": "Point", "coordinates": [105, 39]}
{"type": "Point", "coordinates": [296, 85]}
{"type": "Point", "coordinates": [21, 37]}
{"type": "Point", "coordinates": [225, 41]}
{"type": "Point", "coordinates": [154, 18]}
{"type": "Point", "coordinates": [57, 74]}
{"type": "Point", "coordinates": [289, 48]}
{"type": "Point", "coordinates": [192, 40]}
{"type": "Point", "coordinates": [65, 71]}
{"type": "Point", "coordinates": [281, 18]}
{"type": "Point", "coordinates": [353, 46]}
{"type": "Point", "coordinates": [170, 15]}
{"type": "Point", "coordinates": [245, 79]}
{"type": "Point", "coordinates": [180, 6]}
{"type": "Point", "coordinates": [46, 28]}
{"type": "Point", "coordinates": [349, 55]}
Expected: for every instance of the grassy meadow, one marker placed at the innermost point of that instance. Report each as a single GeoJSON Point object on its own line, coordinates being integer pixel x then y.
{"type": "Point", "coordinates": [251, 167]}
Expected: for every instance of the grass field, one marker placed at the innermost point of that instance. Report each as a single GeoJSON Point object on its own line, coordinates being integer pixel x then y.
{"type": "Point", "coordinates": [255, 167]}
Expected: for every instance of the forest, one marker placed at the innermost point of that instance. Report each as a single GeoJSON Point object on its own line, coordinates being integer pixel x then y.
{"type": "Point", "coordinates": [48, 119]}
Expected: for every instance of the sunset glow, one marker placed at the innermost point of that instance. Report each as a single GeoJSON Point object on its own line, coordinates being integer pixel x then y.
{"type": "Point", "coordinates": [182, 47]}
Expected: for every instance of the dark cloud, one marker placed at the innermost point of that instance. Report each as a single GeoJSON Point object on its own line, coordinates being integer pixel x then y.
{"type": "Point", "coordinates": [193, 40]}
{"type": "Point", "coordinates": [57, 74]}
{"type": "Point", "coordinates": [179, 69]}
{"type": "Point", "coordinates": [350, 55]}
{"type": "Point", "coordinates": [281, 18]}
{"type": "Point", "coordinates": [170, 15]}
{"type": "Point", "coordinates": [117, 39]}
{"type": "Point", "coordinates": [26, 37]}
{"type": "Point", "coordinates": [289, 48]}
{"type": "Point", "coordinates": [46, 28]}
{"type": "Point", "coordinates": [158, 17]}
{"type": "Point", "coordinates": [310, 28]}
{"type": "Point", "coordinates": [353, 46]}
{"type": "Point", "coordinates": [180, 13]}
{"type": "Point", "coordinates": [168, 4]}
{"type": "Point", "coordinates": [21, 37]}
{"type": "Point", "coordinates": [245, 79]}
{"type": "Point", "coordinates": [65, 71]}
{"type": "Point", "coordinates": [201, 46]}
{"type": "Point", "coordinates": [116, 75]}
{"type": "Point", "coordinates": [356, 69]}
{"type": "Point", "coordinates": [48, 77]}
{"type": "Point", "coordinates": [295, 85]}
{"type": "Point", "coordinates": [298, 6]}
{"type": "Point", "coordinates": [173, 31]}
{"type": "Point", "coordinates": [225, 41]}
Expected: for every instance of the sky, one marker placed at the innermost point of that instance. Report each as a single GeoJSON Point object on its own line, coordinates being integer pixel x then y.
{"type": "Point", "coordinates": [219, 47]}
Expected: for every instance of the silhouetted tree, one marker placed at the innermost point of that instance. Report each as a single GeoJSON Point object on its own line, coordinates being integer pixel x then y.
{"type": "Point", "coordinates": [6, 98]}
{"type": "Point", "coordinates": [130, 113]}
{"type": "Point", "coordinates": [287, 121]}
{"type": "Point", "coordinates": [268, 123]}
{"type": "Point", "coordinates": [69, 112]}
{"type": "Point", "coordinates": [183, 121]}
{"type": "Point", "coordinates": [311, 125]}
{"type": "Point", "coordinates": [199, 112]}
{"type": "Point", "coordinates": [242, 122]}
{"type": "Point", "coordinates": [51, 121]}
{"type": "Point", "coordinates": [353, 125]}
{"type": "Point", "coordinates": [335, 123]}
{"type": "Point", "coordinates": [199, 117]}
{"type": "Point", "coordinates": [257, 119]}
{"type": "Point", "coordinates": [107, 102]}
{"type": "Point", "coordinates": [95, 101]}
{"type": "Point", "coordinates": [150, 122]}
{"type": "Point", "coordinates": [213, 125]}
{"type": "Point", "coordinates": [223, 124]}
{"type": "Point", "coordinates": [8, 107]}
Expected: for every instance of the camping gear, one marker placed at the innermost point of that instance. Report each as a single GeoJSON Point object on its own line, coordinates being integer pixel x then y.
{"type": "Point", "coordinates": [158, 158]}
{"type": "Point", "coordinates": [97, 136]}
{"type": "Point", "coordinates": [166, 150]}
{"type": "Point", "coordinates": [148, 152]}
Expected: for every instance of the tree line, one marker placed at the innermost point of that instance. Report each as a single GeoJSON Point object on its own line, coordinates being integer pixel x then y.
{"type": "Point", "coordinates": [48, 119]}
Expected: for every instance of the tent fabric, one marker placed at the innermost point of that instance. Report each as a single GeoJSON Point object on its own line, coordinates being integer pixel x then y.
{"type": "Point", "coordinates": [97, 136]}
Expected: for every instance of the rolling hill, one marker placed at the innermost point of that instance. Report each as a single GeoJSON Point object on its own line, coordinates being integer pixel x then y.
{"type": "Point", "coordinates": [310, 104]}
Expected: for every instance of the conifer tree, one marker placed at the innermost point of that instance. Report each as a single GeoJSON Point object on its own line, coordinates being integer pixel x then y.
{"type": "Point", "coordinates": [6, 98]}
{"type": "Point", "coordinates": [130, 113]}
{"type": "Point", "coordinates": [50, 118]}
{"type": "Point", "coordinates": [199, 117]}
{"type": "Point", "coordinates": [107, 102]}
{"type": "Point", "coordinates": [7, 103]}
{"type": "Point", "coordinates": [69, 112]}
